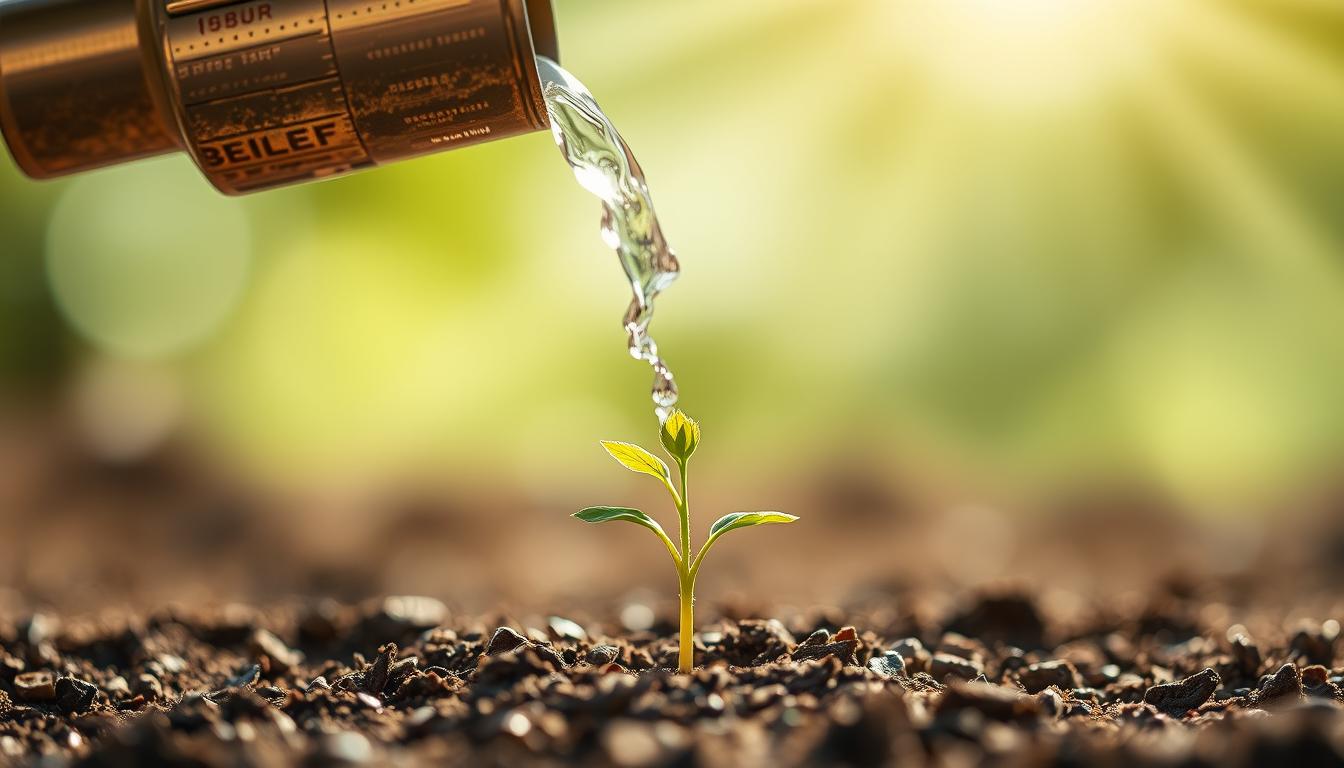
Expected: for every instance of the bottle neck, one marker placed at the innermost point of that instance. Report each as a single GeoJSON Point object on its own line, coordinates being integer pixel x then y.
{"type": "Point", "coordinates": [75, 87]}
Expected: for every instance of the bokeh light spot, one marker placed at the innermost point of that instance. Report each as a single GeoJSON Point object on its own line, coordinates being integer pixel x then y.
{"type": "Point", "coordinates": [147, 261]}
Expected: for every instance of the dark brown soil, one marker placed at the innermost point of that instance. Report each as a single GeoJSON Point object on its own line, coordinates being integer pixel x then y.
{"type": "Point", "coordinates": [998, 679]}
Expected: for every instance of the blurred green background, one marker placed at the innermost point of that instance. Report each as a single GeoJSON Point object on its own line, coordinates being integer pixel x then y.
{"type": "Point", "coordinates": [1011, 250]}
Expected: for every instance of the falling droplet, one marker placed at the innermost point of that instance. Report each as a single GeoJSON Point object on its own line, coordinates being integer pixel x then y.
{"type": "Point", "coordinates": [664, 387]}
{"type": "Point", "coordinates": [604, 165]}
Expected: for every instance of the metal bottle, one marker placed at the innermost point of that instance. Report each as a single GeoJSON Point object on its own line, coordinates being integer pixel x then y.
{"type": "Point", "coordinates": [263, 93]}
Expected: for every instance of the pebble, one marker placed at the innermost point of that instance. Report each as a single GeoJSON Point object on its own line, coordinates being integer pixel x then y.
{"type": "Point", "coordinates": [1041, 675]}
{"type": "Point", "coordinates": [1282, 688]}
{"type": "Point", "coordinates": [275, 656]}
{"type": "Point", "coordinates": [889, 664]}
{"type": "Point", "coordinates": [944, 666]}
{"type": "Point", "coordinates": [75, 695]}
{"type": "Point", "coordinates": [35, 686]}
{"type": "Point", "coordinates": [1175, 699]}
{"type": "Point", "coordinates": [117, 686]}
{"type": "Point", "coordinates": [821, 644]}
{"type": "Point", "coordinates": [1247, 656]}
{"type": "Point", "coordinates": [602, 654]}
{"type": "Point", "coordinates": [148, 686]}
{"type": "Point", "coordinates": [504, 639]}
{"type": "Point", "coordinates": [564, 629]}
{"type": "Point", "coordinates": [247, 677]}
{"type": "Point", "coordinates": [995, 702]}
{"type": "Point", "coordinates": [913, 652]}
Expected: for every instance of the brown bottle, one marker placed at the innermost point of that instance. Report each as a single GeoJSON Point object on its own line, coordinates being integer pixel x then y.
{"type": "Point", "coordinates": [263, 93]}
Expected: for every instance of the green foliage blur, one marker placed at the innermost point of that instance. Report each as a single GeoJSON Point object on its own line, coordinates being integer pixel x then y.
{"type": "Point", "coordinates": [1023, 245]}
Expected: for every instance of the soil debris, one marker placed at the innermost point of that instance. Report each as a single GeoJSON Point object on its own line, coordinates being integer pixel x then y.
{"type": "Point", "coordinates": [821, 644]}
{"type": "Point", "coordinates": [1175, 699]}
{"type": "Point", "coordinates": [367, 684]}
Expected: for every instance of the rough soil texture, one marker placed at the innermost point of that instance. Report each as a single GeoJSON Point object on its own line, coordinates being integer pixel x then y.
{"type": "Point", "coordinates": [1177, 680]}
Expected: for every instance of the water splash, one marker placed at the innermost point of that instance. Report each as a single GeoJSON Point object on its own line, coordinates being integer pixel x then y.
{"type": "Point", "coordinates": [604, 165]}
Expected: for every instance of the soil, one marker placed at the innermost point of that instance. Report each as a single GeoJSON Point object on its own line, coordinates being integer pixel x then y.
{"type": "Point", "coordinates": [993, 678]}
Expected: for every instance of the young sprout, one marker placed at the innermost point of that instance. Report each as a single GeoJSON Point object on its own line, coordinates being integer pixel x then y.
{"type": "Point", "coordinates": [680, 436]}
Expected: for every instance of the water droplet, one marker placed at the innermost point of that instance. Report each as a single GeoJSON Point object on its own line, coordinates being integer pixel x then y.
{"type": "Point", "coordinates": [604, 165]}
{"type": "Point", "coordinates": [664, 387]}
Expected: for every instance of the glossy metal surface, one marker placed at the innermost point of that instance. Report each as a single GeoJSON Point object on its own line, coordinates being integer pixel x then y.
{"type": "Point", "coordinates": [75, 86]}
{"type": "Point", "coordinates": [266, 92]}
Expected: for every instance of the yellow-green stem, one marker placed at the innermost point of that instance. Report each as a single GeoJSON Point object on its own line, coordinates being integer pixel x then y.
{"type": "Point", "coordinates": [684, 512]}
{"type": "Point", "coordinates": [686, 652]}
{"type": "Point", "coordinates": [686, 655]}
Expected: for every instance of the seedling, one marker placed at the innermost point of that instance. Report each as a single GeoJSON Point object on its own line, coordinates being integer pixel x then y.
{"type": "Point", "coordinates": [680, 436]}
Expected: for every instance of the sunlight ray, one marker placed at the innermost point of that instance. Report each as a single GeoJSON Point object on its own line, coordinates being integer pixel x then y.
{"type": "Point", "coordinates": [1239, 44]}
{"type": "Point", "coordinates": [1246, 197]}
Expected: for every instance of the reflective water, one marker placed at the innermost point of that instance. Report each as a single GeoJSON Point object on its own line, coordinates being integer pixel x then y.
{"type": "Point", "coordinates": [604, 165]}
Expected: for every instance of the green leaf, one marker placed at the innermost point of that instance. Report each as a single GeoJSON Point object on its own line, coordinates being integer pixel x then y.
{"type": "Point", "coordinates": [607, 514]}
{"type": "Point", "coordinates": [735, 520]}
{"type": "Point", "coordinates": [680, 435]}
{"type": "Point", "coordinates": [637, 459]}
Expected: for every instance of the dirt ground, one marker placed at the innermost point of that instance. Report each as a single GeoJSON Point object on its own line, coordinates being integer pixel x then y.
{"type": "Point", "coordinates": [148, 616]}
{"type": "Point", "coordinates": [1183, 678]}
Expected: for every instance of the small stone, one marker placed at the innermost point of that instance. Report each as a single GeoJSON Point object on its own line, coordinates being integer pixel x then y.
{"type": "Point", "coordinates": [1041, 675]}
{"type": "Point", "coordinates": [75, 695]}
{"type": "Point", "coordinates": [504, 639]}
{"type": "Point", "coordinates": [959, 645]}
{"type": "Point", "coordinates": [1314, 676]}
{"type": "Point", "coordinates": [757, 642]}
{"type": "Point", "coordinates": [1051, 703]}
{"type": "Point", "coordinates": [1282, 688]}
{"type": "Point", "coordinates": [1316, 683]}
{"type": "Point", "coordinates": [374, 679]}
{"type": "Point", "coordinates": [245, 678]}
{"type": "Point", "coordinates": [320, 621]}
{"type": "Point", "coordinates": [271, 693]}
{"type": "Point", "coordinates": [275, 656]}
{"type": "Point", "coordinates": [10, 665]}
{"type": "Point", "coordinates": [117, 687]}
{"type": "Point", "coordinates": [602, 654]}
{"type": "Point", "coordinates": [35, 686]}
{"type": "Point", "coordinates": [913, 652]}
{"type": "Point", "coordinates": [1175, 699]}
{"type": "Point", "coordinates": [564, 629]}
{"type": "Point", "coordinates": [148, 686]}
{"type": "Point", "coordinates": [889, 664]}
{"type": "Point", "coordinates": [995, 702]}
{"type": "Point", "coordinates": [1246, 655]}
{"type": "Point", "coordinates": [1316, 644]}
{"type": "Point", "coordinates": [821, 644]}
{"type": "Point", "coordinates": [944, 666]}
